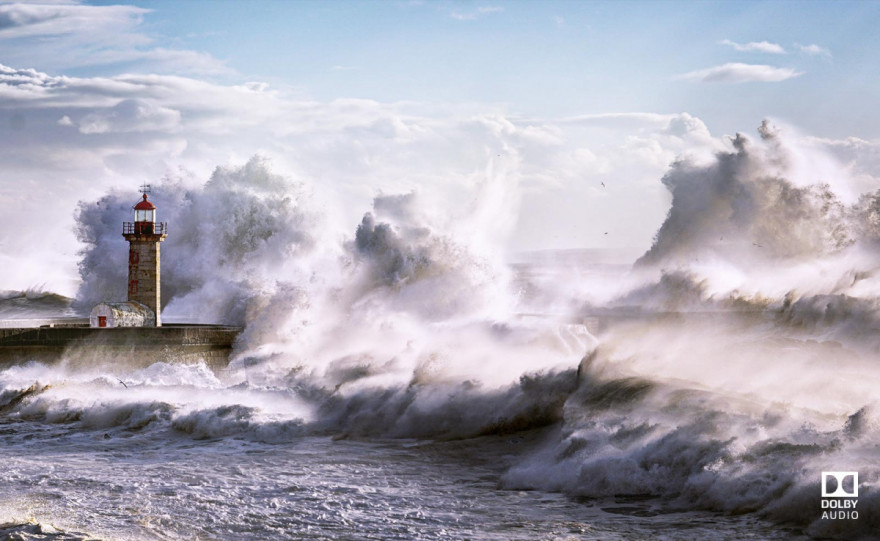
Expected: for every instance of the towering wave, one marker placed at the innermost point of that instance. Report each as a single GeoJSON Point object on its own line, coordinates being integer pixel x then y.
{"type": "Point", "coordinates": [745, 204]}
{"type": "Point", "coordinates": [743, 364]}
{"type": "Point", "coordinates": [406, 326]}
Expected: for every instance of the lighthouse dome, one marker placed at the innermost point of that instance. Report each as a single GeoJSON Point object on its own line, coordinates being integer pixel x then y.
{"type": "Point", "coordinates": [145, 205]}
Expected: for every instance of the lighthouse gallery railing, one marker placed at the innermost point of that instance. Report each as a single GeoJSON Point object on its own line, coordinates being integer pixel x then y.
{"type": "Point", "coordinates": [144, 228]}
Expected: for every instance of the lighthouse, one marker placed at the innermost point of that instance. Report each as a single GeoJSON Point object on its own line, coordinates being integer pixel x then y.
{"type": "Point", "coordinates": [127, 333]}
{"type": "Point", "coordinates": [144, 237]}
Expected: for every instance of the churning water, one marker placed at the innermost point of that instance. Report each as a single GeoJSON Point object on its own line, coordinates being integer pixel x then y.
{"type": "Point", "coordinates": [404, 382]}
{"type": "Point", "coordinates": [88, 458]}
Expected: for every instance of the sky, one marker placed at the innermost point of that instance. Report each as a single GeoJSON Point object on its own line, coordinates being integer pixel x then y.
{"type": "Point", "coordinates": [577, 108]}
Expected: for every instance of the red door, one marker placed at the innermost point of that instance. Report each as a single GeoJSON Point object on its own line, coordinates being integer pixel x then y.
{"type": "Point", "coordinates": [102, 321]}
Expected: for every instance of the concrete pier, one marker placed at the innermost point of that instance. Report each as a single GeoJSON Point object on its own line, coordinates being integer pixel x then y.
{"type": "Point", "coordinates": [83, 346]}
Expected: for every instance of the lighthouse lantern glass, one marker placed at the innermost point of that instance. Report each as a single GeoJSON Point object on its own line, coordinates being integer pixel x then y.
{"type": "Point", "coordinates": [145, 215]}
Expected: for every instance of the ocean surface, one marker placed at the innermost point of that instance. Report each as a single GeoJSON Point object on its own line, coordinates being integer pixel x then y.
{"type": "Point", "coordinates": [691, 422]}
{"type": "Point", "coordinates": [407, 380]}
{"type": "Point", "coordinates": [92, 459]}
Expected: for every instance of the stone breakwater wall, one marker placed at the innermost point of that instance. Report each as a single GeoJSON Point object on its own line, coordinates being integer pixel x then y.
{"type": "Point", "coordinates": [129, 346]}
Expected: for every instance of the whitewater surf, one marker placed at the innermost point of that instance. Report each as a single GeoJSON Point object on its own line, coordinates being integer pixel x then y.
{"type": "Point", "coordinates": [405, 381]}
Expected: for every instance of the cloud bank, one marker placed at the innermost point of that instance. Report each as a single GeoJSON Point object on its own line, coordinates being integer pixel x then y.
{"type": "Point", "coordinates": [476, 13]}
{"type": "Point", "coordinates": [755, 46]}
{"type": "Point", "coordinates": [735, 73]}
{"type": "Point", "coordinates": [77, 137]}
{"type": "Point", "coordinates": [60, 36]}
{"type": "Point", "coordinates": [815, 50]}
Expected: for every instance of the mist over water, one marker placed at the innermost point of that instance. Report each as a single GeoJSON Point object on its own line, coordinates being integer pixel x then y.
{"type": "Point", "coordinates": [727, 368]}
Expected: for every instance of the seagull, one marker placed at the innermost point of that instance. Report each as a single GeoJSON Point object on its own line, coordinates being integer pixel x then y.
{"type": "Point", "coordinates": [123, 383]}
{"type": "Point", "coordinates": [606, 232]}
{"type": "Point", "coordinates": [756, 244]}
{"type": "Point", "coordinates": [602, 183]}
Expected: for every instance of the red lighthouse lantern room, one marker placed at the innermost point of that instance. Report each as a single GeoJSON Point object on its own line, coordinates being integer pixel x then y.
{"type": "Point", "coordinates": [144, 217]}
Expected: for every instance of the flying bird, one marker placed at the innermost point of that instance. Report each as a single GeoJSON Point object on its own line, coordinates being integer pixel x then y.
{"type": "Point", "coordinates": [602, 183]}
{"type": "Point", "coordinates": [123, 383]}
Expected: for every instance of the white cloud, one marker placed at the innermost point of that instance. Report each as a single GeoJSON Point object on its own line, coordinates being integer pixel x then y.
{"type": "Point", "coordinates": [476, 13]}
{"type": "Point", "coordinates": [59, 36]}
{"type": "Point", "coordinates": [755, 46]}
{"type": "Point", "coordinates": [131, 116]}
{"type": "Point", "coordinates": [138, 128]}
{"type": "Point", "coordinates": [680, 125]}
{"type": "Point", "coordinates": [256, 86]}
{"type": "Point", "coordinates": [25, 20]}
{"type": "Point", "coordinates": [814, 50]}
{"type": "Point", "coordinates": [620, 119]}
{"type": "Point", "coordinates": [741, 73]}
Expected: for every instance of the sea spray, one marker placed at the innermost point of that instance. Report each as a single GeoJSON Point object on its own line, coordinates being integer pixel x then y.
{"type": "Point", "coordinates": [409, 328]}
{"type": "Point", "coordinates": [238, 235]}
{"type": "Point", "coordinates": [744, 363]}
{"type": "Point", "coordinates": [428, 345]}
{"type": "Point", "coordinates": [744, 205]}
{"type": "Point", "coordinates": [412, 316]}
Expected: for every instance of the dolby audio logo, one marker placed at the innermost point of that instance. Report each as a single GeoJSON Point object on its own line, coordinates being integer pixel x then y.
{"type": "Point", "coordinates": [840, 492]}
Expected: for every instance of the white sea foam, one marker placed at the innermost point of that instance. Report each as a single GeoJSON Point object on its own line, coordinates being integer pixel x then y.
{"type": "Point", "coordinates": [726, 370]}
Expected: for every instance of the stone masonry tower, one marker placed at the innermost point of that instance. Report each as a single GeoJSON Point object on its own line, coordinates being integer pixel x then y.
{"type": "Point", "coordinates": [144, 236]}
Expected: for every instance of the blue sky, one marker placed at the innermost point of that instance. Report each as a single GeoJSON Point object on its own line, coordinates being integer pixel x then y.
{"type": "Point", "coordinates": [579, 107]}
{"type": "Point", "coordinates": [547, 58]}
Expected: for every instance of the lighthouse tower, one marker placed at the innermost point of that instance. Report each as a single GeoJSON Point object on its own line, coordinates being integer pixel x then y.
{"type": "Point", "coordinates": [143, 236]}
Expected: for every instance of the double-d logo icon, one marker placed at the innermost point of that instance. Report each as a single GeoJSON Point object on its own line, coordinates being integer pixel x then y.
{"type": "Point", "coordinates": [834, 484]}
